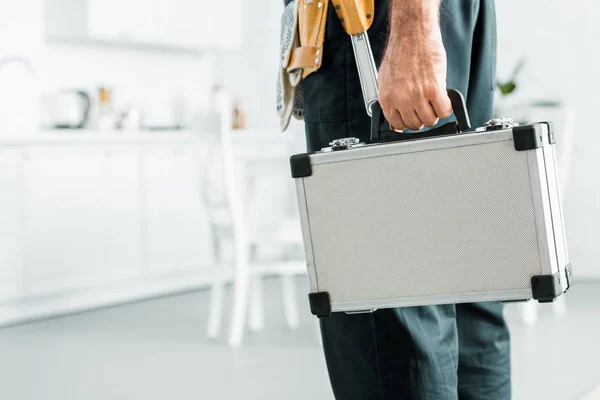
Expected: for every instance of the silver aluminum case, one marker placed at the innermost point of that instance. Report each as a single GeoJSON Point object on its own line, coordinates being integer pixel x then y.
{"type": "Point", "coordinates": [549, 226]}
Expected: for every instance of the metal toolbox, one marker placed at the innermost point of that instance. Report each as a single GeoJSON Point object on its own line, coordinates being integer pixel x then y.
{"type": "Point", "coordinates": [437, 217]}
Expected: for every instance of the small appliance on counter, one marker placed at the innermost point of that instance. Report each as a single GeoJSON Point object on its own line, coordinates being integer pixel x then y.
{"type": "Point", "coordinates": [68, 109]}
{"type": "Point", "coordinates": [131, 120]}
{"type": "Point", "coordinates": [106, 109]}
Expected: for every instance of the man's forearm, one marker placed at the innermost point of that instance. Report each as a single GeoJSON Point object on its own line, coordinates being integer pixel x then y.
{"type": "Point", "coordinates": [413, 21]}
{"type": "Point", "coordinates": [412, 76]}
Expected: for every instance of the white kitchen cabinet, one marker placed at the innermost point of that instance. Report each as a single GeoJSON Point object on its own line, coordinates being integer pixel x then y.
{"type": "Point", "coordinates": [108, 19]}
{"type": "Point", "coordinates": [128, 20]}
{"type": "Point", "coordinates": [82, 225]}
{"type": "Point", "coordinates": [229, 21]}
{"type": "Point", "coordinates": [66, 19]}
{"type": "Point", "coordinates": [190, 24]}
{"type": "Point", "coordinates": [93, 219]}
{"type": "Point", "coordinates": [177, 24]}
{"type": "Point", "coordinates": [11, 180]}
{"type": "Point", "coordinates": [177, 225]}
{"type": "Point", "coordinates": [122, 214]}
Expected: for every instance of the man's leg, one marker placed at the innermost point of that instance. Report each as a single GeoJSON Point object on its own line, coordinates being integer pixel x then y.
{"type": "Point", "coordinates": [484, 352]}
{"type": "Point", "coordinates": [409, 353]}
{"type": "Point", "coordinates": [401, 354]}
{"type": "Point", "coordinates": [484, 342]}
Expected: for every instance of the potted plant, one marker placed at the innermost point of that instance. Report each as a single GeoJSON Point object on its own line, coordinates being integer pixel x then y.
{"type": "Point", "coordinates": [504, 104]}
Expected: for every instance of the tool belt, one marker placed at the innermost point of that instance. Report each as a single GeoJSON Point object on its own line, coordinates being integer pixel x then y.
{"type": "Point", "coordinates": [303, 26]}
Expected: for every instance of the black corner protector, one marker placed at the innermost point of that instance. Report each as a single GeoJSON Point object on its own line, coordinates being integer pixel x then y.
{"type": "Point", "coordinates": [300, 165]}
{"type": "Point", "coordinates": [569, 271]}
{"type": "Point", "coordinates": [547, 301]}
{"type": "Point", "coordinates": [527, 137]}
{"type": "Point", "coordinates": [546, 288]}
{"type": "Point", "coordinates": [320, 304]}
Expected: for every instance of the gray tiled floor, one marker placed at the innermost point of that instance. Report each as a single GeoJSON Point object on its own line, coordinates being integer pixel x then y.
{"type": "Point", "coordinates": [157, 350]}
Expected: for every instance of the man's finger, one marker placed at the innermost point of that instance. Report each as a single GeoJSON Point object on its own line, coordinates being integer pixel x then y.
{"type": "Point", "coordinates": [411, 119]}
{"type": "Point", "coordinates": [395, 120]}
{"type": "Point", "coordinates": [427, 114]}
{"type": "Point", "coordinates": [442, 105]}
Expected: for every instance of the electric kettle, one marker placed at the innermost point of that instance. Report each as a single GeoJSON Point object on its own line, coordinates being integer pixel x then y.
{"type": "Point", "coordinates": [68, 109]}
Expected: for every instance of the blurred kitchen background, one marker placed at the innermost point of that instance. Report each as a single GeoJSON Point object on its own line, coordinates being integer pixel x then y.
{"type": "Point", "coordinates": [149, 242]}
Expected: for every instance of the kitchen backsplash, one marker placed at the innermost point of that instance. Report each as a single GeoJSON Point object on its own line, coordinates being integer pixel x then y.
{"type": "Point", "coordinates": [167, 89]}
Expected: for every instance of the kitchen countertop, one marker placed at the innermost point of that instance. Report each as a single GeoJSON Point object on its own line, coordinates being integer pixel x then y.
{"type": "Point", "coordinates": [85, 137]}
{"type": "Point", "coordinates": [252, 145]}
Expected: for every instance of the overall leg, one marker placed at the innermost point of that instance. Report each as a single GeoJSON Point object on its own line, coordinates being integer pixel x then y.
{"type": "Point", "coordinates": [409, 353]}
{"type": "Point", "coordinates": [400, 354]}
{"type": "Point", "coordinates": [484, 341]}
{"type": "Point", "coordinates": [484, 352]}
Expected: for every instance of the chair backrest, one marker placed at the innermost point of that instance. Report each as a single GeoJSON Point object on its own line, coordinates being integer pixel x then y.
{"type": "Point", "coordinates": [222, 193]}
{"type": "Point", "coordinates": [247, 175]}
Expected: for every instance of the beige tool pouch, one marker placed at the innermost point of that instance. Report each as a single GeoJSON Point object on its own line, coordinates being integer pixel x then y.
{"type": "Point", "coordinates": [312, 20]}
{"type": "Point", "coordinates": [303, 32]}
{"type": "Point", "coordinates": [356, 16]}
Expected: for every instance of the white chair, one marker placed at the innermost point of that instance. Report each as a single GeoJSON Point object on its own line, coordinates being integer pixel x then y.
{"type": "Point", "coordinates": [232, 218]}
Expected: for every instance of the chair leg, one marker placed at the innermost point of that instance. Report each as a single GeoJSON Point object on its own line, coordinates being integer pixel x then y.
{"type": "Point", "coordinates": [289, 300]}
{"type": "Point", "coordinates": [215, 308]}
{"type": "Point", "coordinates": [560, 306]}
{"type": "Point", "coordinates": [240, 306]}
{"type": "Point", "coordinates": [529, 312]}
{"type": "Point", "coordinates": [215, 305]}
{"type": "Point", "coordinates": [256, 320]}
{"type": "Point", "coordinates": [317, 328]}
{"type": "Point", "coordinates": [241, 287]}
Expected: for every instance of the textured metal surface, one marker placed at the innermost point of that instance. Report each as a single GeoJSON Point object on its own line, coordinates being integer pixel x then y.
{"type": "Point", "coordinates": [541, 198]}
{"type": "Point", "coordinates": [436, 222]}
{"type": "Point", "coordinates": [555, 203]}
{"type": "Point", "coordinates": [305, 223]}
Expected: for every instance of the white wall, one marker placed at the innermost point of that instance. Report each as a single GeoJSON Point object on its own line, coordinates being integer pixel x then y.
{"type": "Point", "coordinates": [560, 40]}
{"type": "Point", "coordinates": [20, 49]}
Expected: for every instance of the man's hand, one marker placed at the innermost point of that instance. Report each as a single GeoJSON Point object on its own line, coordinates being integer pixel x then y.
{"type": "Point", "coordinates": [412, 75]}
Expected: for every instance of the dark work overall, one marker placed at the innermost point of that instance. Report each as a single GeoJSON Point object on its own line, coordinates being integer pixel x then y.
{"type": "Point", "coordinates": [443, 352]}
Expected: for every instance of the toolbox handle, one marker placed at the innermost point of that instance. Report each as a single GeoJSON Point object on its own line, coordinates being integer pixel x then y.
{"type": "Point", "coordinates": [380, 128]}
{"type": "Point", "coordinates": [382, 132]}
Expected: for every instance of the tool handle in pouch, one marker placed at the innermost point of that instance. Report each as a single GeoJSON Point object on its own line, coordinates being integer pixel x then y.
{"type": "Point", "coordinates": [356, 17]}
